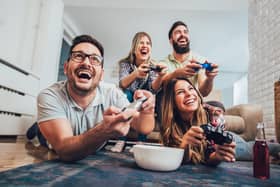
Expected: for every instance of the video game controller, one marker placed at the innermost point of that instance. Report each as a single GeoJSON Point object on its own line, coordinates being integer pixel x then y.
{"type": "Point", "coordinates": [205, 65]}
{"type": "Point", "coordinates": [155, 68]}
{"type": "Point", "coordinates": [137, 104]}
{"type": "Point", "coordinates": [217, 134]}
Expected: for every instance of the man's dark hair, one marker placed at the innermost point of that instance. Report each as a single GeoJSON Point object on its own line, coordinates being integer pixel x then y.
{"type": "Point", "coordinates": [176, 24]}
{"type": "Point", "coordinates": [86, 39]}
{"type": "Point", "coordinates": [216, 104]}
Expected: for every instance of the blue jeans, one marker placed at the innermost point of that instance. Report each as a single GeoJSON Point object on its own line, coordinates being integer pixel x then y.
{"type": "Point", "coordinates": [244, 150]}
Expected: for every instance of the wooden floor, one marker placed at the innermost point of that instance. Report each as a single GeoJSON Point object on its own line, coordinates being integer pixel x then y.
{"type": "Point", "coordinates": [17, 151]}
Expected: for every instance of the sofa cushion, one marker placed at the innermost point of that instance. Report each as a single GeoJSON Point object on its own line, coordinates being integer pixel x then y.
{"type": "Point", "coordinates": [234, 124]}
{"type": "Point", "coordinates": [251, 114]}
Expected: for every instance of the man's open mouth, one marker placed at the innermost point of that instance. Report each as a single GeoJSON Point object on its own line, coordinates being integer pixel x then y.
{"type": "Point", "coordinates": [182, 41]}
{"type": "Point", "coordinates": [84, 75]}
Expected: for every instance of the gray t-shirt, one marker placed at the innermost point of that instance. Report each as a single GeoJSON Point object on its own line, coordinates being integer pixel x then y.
{"type": "Point", "coordinates": [55, 102]}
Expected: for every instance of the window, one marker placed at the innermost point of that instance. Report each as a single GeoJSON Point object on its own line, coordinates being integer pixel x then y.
{"type": "Point", "coordinates": [63, 57]}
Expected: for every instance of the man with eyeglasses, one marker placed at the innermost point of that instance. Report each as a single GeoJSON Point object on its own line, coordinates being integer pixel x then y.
{"type": "Point", "coordinates": [79, 115]}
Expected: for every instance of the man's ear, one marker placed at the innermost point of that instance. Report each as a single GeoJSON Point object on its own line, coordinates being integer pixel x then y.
{"type": "Point", "coordinates": [65, 67]}
{"type": "Point", "coordinates": [102, 74]}
{"type": "Point", "coordinates": [170, 41]}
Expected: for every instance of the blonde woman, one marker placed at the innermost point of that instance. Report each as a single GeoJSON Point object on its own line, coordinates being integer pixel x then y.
{"type": "Point", "coordinates": [135, 70]}
{"type": "Point", "coordinates": [182, 114]}
{"type": "Point", "coordinates": [135, 73]}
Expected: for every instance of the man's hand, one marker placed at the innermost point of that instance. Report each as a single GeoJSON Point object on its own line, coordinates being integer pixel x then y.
{"type": "Point", "coordinates": [116, 122]}
{"type": "Point", "coordinates": [144, 120]}
{"type": "Point", "coordinates": [212, 74]}
{"type": "Point", "coordinates": [188, 70]}
{"type": "Point", "coordinates": [149, 105]}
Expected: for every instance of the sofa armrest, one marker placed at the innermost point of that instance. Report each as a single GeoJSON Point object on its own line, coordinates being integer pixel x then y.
{"type": "Point", "coordinates": [251, 114]}
{"type": "Point", "coordinates": [234, 124]}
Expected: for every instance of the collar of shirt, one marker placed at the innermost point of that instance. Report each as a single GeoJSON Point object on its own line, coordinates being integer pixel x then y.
{"type": "Point", "coordinates": [97, 100]}
{"type": "Point", "coordinates": [188, 59]}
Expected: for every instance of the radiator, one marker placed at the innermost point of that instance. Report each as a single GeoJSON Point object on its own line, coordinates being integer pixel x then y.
{"type": "Point", "coordinates": [18, 92]}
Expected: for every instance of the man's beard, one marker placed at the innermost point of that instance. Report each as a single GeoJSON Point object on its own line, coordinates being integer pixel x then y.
{"type": "Point", "coordinates": [181, 49]}
{"type": "Point", "coordinates": [82, 91]}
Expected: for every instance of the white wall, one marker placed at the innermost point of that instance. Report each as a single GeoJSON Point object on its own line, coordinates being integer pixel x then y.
{"type": "Point", "coordinates": [240, 91]}
{"type": "Point", "coordinates": [264, 45]}
{"type": "Point", "coordinates": [18, 29]}
{"type": "Point", "coordinates": [227, 96]}
{"type": "Point", "coordinates": [48, 41]}
{"type": "Point", "coordinates": [219, 34]}
{"type": "Point", "coordinates": [31, 34]}
{"type": "Point", "coordinates": [32, 31]}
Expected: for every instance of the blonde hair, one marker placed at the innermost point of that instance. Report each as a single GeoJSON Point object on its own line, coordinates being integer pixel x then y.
{"type": "Point", "coordinates": [173, 127]}
{"type": "Point", "coordinates": [135, 42]}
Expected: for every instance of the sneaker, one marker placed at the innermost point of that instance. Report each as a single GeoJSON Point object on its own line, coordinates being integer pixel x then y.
{"type": "Point", "coordinates": [32, 131]}
{"type": "Point", "coordinates": [42, 139]}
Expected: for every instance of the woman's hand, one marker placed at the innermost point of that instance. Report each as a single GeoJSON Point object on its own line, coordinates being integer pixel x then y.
{"type": "Point", "coordinates": [194, 136]}
{"type": "Point", "coordinates": [142, 70]}
{"type": "Point", "coordinates": [163, 69]}
{"type": "Point", "coordinates": [225, 152]}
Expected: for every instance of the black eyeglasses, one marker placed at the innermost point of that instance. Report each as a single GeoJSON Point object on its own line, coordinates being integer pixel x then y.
{"type": "Point", "coordinates": [78, 56]}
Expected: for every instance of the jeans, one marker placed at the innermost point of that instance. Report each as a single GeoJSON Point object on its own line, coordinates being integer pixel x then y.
{"type": "Point", "coordinates": [244, 150]}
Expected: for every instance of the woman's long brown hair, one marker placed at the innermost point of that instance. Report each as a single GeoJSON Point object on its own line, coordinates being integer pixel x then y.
{"type": "Point", "coordinates": [174, 128]}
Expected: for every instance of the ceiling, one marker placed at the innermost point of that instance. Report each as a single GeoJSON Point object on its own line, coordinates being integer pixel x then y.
{"type": "Point", "coordinates": [218, 29]}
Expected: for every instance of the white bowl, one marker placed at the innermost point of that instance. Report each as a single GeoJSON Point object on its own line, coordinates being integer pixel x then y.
{"type": "Point", "coordinates": [158, 158]}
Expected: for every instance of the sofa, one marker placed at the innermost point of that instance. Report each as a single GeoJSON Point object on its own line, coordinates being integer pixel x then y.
{"type": "Point", "coordinates": [242, 119]}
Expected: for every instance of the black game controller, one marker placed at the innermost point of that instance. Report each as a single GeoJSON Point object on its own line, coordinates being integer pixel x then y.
{"type": "Point", "coordinates": [155, 68]}
{"type": "Point", "coordinates": [217, 134]}
{"type": "Point", "coordinates": [205, 65]}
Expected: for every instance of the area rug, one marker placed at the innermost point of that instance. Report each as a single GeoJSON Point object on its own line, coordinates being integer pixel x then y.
{"type": "Point", "coordinates": [119, 169]}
